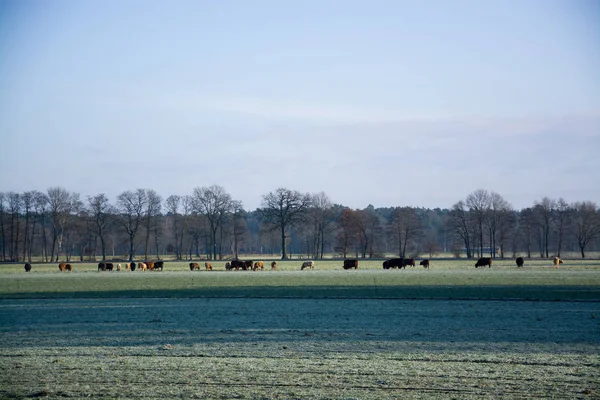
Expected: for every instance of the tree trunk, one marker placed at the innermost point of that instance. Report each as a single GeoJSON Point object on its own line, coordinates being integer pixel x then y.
{"type": "Point", "coordinates": [284, 255]}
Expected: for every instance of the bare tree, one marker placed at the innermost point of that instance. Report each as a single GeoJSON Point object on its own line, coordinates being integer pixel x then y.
{"type": "Point", "coordinates": [2, 232]}
{"type": "Point", "coordinates": [27, 199]}
{"type": "Point", "coordinates": [214, 203]}
{"type": "Point", "coordinates": [506, 229]}
{"type": "Point", "coordinates": [131, 207]}
{"type": "Point", "coordinates": [284, 208]}
{"type": "Point", "coordinates": [479, 204]}
{"type": "Point", "coordinates": [562, 219]}
{"type": "Point", "coordinates": [14, 205]}
{"type": "Point", "coordinates": [100, 212]}
{"type": "Point", "coordinates": [528, 227]}
{"type": "Point", "coordinates": [238, 226]}
{"type": "Point", "coordinates": [323, 218]}
{"type": "Point", "coordinates": [462, 224]}
{"type": "Point", "coordinates": [173, 204]}
{"type": "Point", "coordinates": [151, 211]}
{"type": "Point", "coordinates": [498, 210]}
{"type": "Point", "coordinates": [587, 224]}
{"type": "Point", "coordinates": [41, 206]}
{"type": "Point", "coordinates": [544, 215]}
{"type": "Point", "coordinates": [348, 233]}
{"type": "Point", "coordinates": [61, 204]}
{"type": "Point", "coordinates": [404, 226]}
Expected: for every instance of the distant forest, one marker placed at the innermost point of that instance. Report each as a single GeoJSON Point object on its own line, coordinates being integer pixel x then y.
{"type": "Point", "coordinates": [209, 224]}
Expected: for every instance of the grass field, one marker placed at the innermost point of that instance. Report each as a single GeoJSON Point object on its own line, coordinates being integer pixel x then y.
{"type": "Point", "coordinates": [449, 332]}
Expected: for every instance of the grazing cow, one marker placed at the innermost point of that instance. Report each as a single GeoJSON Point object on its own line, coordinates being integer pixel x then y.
{"type": "Point", "coordinates": [483, 261]}
{"type": "Point", "coordinates": [424, 263]}
{"type": "Point", "coordinates": [142, 266]}
{"type": "Point", "coordinates": [273, 265]}
{"type": "Point", "coordinates": [249, 264]}
{"type": "Point", "coordinates": [238, 264]}
{"type": "Point", "coordinates": [194, 266]}
{"type": "Point", "coordinates": [557, 261]}
{"type": "Point", "coordinates": [207, 266]}
{"type": "Point", "coordinates": [105, 266]}
{"type": "Point", "coordinates": [349, 264]}
{"type": "Point", "coordinates": [149, 265]}
{"type": "Point", "coordinates": [520, 261]}
{"type": "Point", "coordinates": [307, 264]}
{"type": "Point", "coordinates": [27, 267]}
{"type": "Point", "coordinates": [62, 266]}
{"type": "Point", "coordinates": [118, 267]}
{"type": "Point", "coordinates": [408, 261]}
{"type": "Point", "coordinates": [393, 263]}
{"type": "Point", "coordinates": [259, 265]}
{"type": "Point", "coordinates": [228, 266]}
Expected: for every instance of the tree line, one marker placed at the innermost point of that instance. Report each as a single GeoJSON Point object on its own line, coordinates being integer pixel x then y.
{"type": "Point", "coordinates": [58, 224]}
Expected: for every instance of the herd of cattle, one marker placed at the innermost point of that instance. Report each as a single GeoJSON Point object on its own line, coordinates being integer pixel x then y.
{"type": "Point", "coordinates": [249, 265]}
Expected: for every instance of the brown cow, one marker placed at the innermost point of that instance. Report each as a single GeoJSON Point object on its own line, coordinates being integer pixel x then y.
{"type": "Point", "coordinates": [557, 261]}
{"type": "Point", "coordinates": [520, 261]}
{"type": "Point", "coordinates": [273, 265]}
{"type": "Point", "coordinates": [118, 267]}
{"type": "Point", "coordinates": [27, 267]}
{"type": "Point", "coordinates": [194, 266]}
{"type": "Point", "coordinates": [424, 263]}
{"type": "Point", "coordinates": [62, 266]}
{"type": "Point", "coordinates": [408, 261]}
{"type": "Point", "coordinates": [149, 265]}
{"type": "Point", "coordinates": [259, 265]}
{"type": "Point", "coordinates": [142, 266]}
{"type": "Point", "coordinates": [483, 261]}
{"type": "Point", "coordinates": [352, 263]}
{"type": "Point", "coordinates": [207, 266]}
{"type": "Point", "coordinates": [307, 264]}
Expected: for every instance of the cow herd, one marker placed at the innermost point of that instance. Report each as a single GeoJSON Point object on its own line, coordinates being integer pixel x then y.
{"type": "Point", "coordinates": [249, 265]}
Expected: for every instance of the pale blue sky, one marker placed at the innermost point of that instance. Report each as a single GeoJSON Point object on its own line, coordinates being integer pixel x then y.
{"type": "Point", "coordinates": [373, 102]}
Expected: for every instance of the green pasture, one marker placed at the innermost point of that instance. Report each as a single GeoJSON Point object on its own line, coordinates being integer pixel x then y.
{"type": "Point", "coordinates": [323, 265]}
{"type": "Point", "coordinates": [446, 279]}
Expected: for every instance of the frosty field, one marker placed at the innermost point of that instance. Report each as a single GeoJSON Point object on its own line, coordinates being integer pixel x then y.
{"type": "Point", "coordinates": [372, 334]}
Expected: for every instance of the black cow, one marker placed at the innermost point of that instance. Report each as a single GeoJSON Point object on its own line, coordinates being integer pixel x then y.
{"type": "Point", "coordinates": [194, 266]}
{"type": "Point", "coordinates": [393, 263]}
{"type": "Point", "coordinates": [424, 263]}
{"type": "Point", "coordinates": [483, 261]}
{"type": "Point", "coordinates": [159, 265]}
{"type": "Point", "coordinates": [238, 264]}
{"type": "Point", "coordinates": [520, 261]}
{"type": "Point", "coordinates": [105, 266]}
{"type": "Point", "coordinates": [408, 261]}
{"type": "Point", "coordinates": [349, 264]}
{"type": "Point", "coordinates": [27, 267]}
{"type": "Point", "coordinates": [132, 266]}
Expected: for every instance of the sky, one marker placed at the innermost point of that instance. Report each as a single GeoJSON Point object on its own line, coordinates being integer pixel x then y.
{"type": "Point", "coordinates": [388, 103]}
